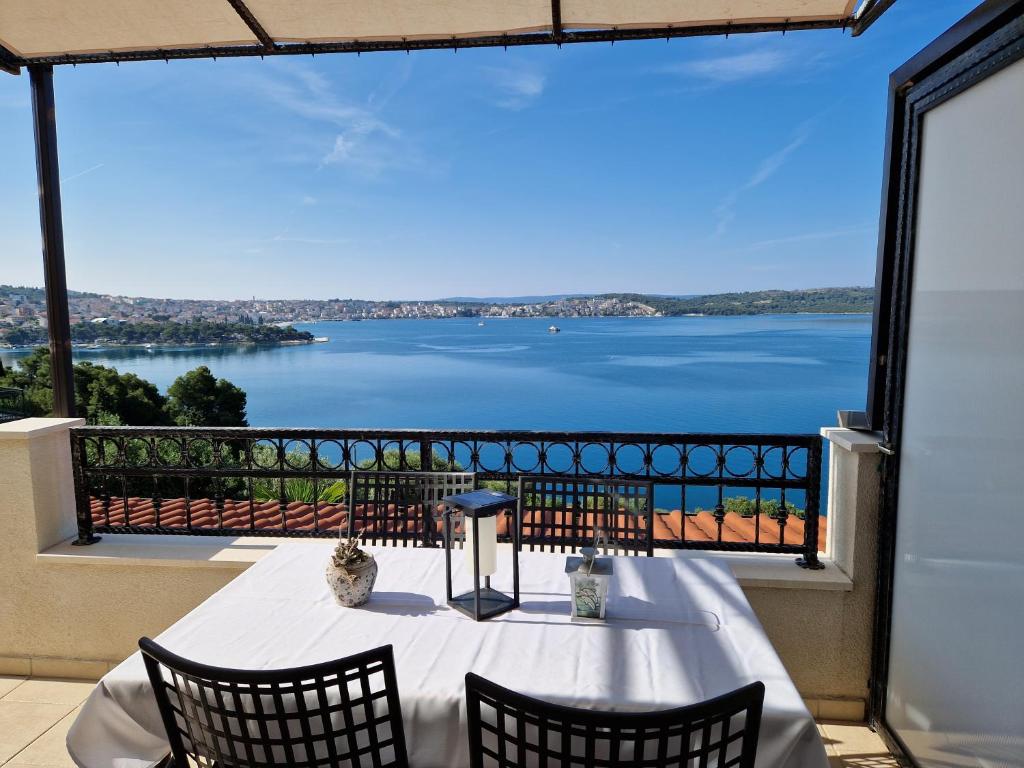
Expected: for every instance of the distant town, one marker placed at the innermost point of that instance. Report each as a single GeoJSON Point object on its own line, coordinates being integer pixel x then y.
{"type": "Point", "coordinates": [95, 316]}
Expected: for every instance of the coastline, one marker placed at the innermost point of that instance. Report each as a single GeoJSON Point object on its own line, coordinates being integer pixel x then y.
{"type": "Point", "coordinates": [176, 345]}
{"type": "Point", "coordinates": [320, 320]}
{"type": "Point", "coordinates": [475, 318]}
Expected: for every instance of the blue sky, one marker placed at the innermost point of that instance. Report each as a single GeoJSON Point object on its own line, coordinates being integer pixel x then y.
{"type": "Point", "coordinates": [692, 166]}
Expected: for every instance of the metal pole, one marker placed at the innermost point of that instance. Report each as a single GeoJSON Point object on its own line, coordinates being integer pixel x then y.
{"type": "Point", "coordinates": [48, 175]}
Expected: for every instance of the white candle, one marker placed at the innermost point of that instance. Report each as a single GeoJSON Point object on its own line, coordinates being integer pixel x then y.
{"type": "Point", "coordinates": [487, 531]}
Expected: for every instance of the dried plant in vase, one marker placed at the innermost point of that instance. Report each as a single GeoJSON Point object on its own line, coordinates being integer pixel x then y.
{"type": "Point", "coordinates": [351, 573]}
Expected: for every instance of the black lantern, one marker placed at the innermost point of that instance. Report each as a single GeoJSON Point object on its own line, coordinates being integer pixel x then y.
{"type": "Point", "coordinates": [479, 511]}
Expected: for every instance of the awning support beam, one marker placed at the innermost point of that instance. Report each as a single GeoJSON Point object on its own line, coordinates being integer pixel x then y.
{"type": "Point", "coordinates": [253, 24]}
{"type": "Point", "coordinates": [491, 41]}
{"type": "Point", "coordinates": [556, 20]}
{"type": "Point", "coordinates": [50, 222]}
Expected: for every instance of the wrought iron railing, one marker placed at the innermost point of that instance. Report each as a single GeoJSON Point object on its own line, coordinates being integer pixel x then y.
{"type": "Point", "coordinates": [741, 492]}
{"type": "Point", "coordinates": [12, 404]}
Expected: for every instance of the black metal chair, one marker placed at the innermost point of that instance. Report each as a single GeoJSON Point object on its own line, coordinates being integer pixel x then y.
{"type": "Point", "coordinates": [338, 713]}
{"type": "Point", "coordinates": [561, 513]}
{"type": "Point", "coordinates": [510, 730]}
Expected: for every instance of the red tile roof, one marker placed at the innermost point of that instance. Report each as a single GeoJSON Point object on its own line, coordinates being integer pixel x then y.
{"type": "Point", "coordinates": [299, 516]}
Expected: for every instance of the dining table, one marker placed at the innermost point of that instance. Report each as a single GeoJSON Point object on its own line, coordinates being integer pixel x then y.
{"type": "Point", "coordinates": [678, 630]}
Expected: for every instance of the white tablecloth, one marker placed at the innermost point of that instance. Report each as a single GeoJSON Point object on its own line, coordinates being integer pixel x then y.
{"type": "Point", "coordinates": [680, 630]}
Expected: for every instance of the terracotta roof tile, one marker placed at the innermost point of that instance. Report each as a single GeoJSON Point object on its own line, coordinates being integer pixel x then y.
{"type": "Point", "coordinates": [300, 516]}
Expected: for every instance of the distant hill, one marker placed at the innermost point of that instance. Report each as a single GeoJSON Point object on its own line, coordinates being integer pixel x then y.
{"type": "Point", "coordinates": [543, 299]}
{"type": "Point", "coordinates": [512, 299]}
{"type": "Point", "coordinates": [39, 294]}
{"type": "Point", "coordinates": [855, 300]}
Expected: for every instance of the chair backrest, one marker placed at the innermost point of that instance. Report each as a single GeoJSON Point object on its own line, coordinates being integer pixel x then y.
{"type": "Point", "coordinates": [560, 513]}
{"type": "Point", "coordinates": [401, 507]}
{"type": "Point", "coordinates": [339, 713]}
{"type": "Point", "coordinates": [510, 730]}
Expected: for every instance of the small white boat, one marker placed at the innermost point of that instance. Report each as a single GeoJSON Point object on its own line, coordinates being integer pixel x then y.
{"type": "Point", "coordinates": [554, 329]}
{"type": "Point", "coordinates": [481, 324]}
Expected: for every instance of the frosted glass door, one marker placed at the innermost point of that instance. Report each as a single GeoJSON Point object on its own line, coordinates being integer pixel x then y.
{"type": "Point", "coordinates": [956, 673]}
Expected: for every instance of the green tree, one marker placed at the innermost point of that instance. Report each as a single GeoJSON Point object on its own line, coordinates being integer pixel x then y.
{"type": "Point", "coordinates": [745, 506]}
{"type": "Point", "coordinates": [197, 398]}
{"type": "Point", "coordinates": [102, 395]}
{"type": "Point", "coordinates": [105, 396]}
{"type": "Point", "coordinates": [294, 488]}
{"type": "Point", "coordinates": [392, 461]}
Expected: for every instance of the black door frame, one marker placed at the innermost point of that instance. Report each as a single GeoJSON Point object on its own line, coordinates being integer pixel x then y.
{"type": "Point", "coordinates": [987, 40]}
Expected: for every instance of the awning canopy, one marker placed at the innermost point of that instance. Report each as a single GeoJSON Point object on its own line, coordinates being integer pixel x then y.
{"type": "Point", "coordinates": [86, 31]}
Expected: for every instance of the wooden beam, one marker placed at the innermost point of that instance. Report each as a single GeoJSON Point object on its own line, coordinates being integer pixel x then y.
{"type": "Point", "coordinates": [48, 174]}
{"type": "Point", "coordinates": [556, 20]}
{"type": "Point", "coordinates": [253, 24]}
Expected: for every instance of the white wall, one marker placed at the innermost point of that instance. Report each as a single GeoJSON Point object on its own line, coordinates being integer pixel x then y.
{"type": "Point", "coordinates": [956, 678]}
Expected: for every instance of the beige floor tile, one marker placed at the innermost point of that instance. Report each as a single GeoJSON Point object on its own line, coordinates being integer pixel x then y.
{"type": "Point", "coordinates": [8, 683]}
{"type": "Point", "coordinates": [22, 722]}
{"type": "Point", "coordinates": [49, 750]}
{"type": "Point", "coordinates": [850, 737]}
{"type": "Point", "coordinates": [862, 761]}
{"type": "Point", "coordinates": [829, 748]}
{"type": "Point", "coordinates": [55, 691]}
{"type": "Point", "coordinates": [855, 746]}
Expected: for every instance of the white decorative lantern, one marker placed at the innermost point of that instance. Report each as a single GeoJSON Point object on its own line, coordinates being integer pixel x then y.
{"type": "Point", "coordinates": [589, 577]}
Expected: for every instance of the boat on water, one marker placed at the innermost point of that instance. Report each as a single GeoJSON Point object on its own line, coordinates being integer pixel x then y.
{"type": "Point", "coordinates": [481, 324]}
{"type": "Point", "coordinates": [554, 329]}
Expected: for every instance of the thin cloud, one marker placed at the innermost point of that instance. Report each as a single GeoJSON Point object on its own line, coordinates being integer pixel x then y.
{"type": "Point", "coordinates": [725, 212]}
{"type": "Point", "coordinates": [312, 240]}
{"type": "Point", "coordinates": [805, 237]}
{"type": "Point", "coordinates": [733, 68]}
{"type": "Point", "coordinates": [514, 88]}
{"type": "Point", "coordinates": [80, 174]}
{"type": "Point", "coordinates": [359, 138]}
{"type": "Point", "coordinates": [771, 164]}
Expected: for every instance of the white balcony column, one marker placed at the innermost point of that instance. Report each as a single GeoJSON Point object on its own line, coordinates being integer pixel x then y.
{"type": "Point", "coordinates": [853, 495]}
{"type": "Point", "coordinates": [37, 492]}
{"type": "Point", "coordinates": [73, 619]}
{"type": "Point", "coordinates": [37, 510]}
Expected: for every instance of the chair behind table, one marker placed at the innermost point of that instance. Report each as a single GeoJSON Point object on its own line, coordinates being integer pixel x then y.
{"type": "Point", "coordinates": [560, 513]}
{"type": "Point", "coordinates": [401, 507]}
